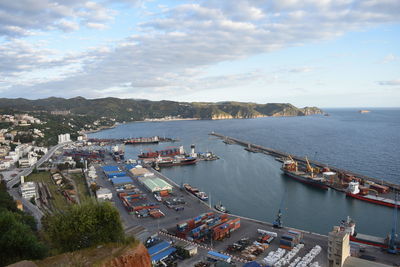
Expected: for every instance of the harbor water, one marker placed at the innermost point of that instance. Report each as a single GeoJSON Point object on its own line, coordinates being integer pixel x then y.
{"type": "Point", "coordinates": [252, 184]}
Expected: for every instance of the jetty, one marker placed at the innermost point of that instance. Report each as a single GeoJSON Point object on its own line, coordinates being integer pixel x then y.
{"type": "Point", "coordinates": [281, 154]}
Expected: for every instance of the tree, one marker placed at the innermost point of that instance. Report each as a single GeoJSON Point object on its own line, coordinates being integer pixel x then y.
{"type": "Point", "coordinates": [17, 240]}
{"type": "Point", "coordinates": [83, 226]}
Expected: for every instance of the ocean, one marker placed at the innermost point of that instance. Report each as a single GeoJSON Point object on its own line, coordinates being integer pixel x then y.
{"type": "Point", "coordinates": [253, 185]}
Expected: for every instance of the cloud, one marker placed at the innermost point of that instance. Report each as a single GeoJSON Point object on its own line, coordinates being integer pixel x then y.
{"type": "Point", "coordinates": [172, 50]}
{"type": "Point", "coordinates": [19, 18]}
{"type": "Point", "coordinates": [301, 69]}
{"type": "Point", "coordinates": [390, 83]}
{"type": "Point", "coordinates": [389, 58]}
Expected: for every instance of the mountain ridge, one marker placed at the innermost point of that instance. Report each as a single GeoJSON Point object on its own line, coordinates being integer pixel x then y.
{"type": "Point", "coordinates": [141, 109]}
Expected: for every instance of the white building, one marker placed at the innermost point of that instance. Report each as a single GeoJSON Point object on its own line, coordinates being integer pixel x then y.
{"type": "Point", "coordinates": [28, 190]}
{"type": "Point", "coordinates": [104, 193]}
{"type": "Point", "coordinates": [63, 138]}
{"type": "Point", "coordinates": [4, 165]}
{"type": "Point", "coordinates": [27, 162]}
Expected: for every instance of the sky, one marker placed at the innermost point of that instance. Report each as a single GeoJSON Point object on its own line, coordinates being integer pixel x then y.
{"type": "Point", "coordinates": [325, 53]}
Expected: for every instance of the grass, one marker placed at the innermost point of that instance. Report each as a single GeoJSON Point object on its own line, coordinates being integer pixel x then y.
{"type": "Point", "coordinates": [83, 190]}
{"type": "Point", "coordinates": [59, 202]}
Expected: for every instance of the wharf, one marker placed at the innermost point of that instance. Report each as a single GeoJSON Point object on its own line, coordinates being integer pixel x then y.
{"type": "Point", "coordinates": [277, 153]}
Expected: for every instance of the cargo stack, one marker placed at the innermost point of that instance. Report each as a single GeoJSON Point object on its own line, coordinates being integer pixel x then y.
{"type": "Point", "coordinates": [127, 198]}
{"type": "Point", "coordinates": [210, 224]}
{"type": "Point", "coordinates": [290, 239]}
{"type": "Point", "coordinates": [380, 188]}
{"type": "Point", "coordinates": [221, 231]}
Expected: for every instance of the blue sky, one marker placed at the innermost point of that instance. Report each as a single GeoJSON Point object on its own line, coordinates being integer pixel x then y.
{"type": "Point", "coordinates": [342, 53]}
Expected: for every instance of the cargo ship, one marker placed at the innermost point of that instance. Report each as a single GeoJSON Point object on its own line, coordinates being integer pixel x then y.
{"type": "Point", "coordinates": [193, 190]}
{"type": "Point", "coordinates": [175, 161]}
{"type": "Point", "coordinates": [353, 190]}
{"type": "Point", "coordinates": [290, 168]}
{"type": "Point", "coordinates": [142, 140]}
{"type": "Point", "coordinates": [169, 152]}
{"type": "Point", "coordinates": [349, 225]}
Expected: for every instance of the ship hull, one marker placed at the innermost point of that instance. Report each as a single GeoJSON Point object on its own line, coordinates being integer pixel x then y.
{"type": "Point", "coordinates": [305, 180]}
{"type": "Point", "coordinates": [180, 163]}
{"type": "Point", "coordinates": [367, 242]}
{"type": "Point", "coordinates": [141, 142]}
{"type": "Point", "coordinates": [375, 201]}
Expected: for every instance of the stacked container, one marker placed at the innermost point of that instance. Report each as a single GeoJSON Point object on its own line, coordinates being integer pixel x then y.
{"type": "Point", "coordinates": [290, 239]}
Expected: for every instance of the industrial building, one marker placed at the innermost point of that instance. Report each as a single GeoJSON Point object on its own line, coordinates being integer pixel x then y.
{"type": "Point", "coordinates": [160, 251]}
{"type": "Point", "coordinates": [121, 180]}
{"type": "Point", "coordinates": [104, 193]}
{"type": "Point", "coordinates": [155, 184]}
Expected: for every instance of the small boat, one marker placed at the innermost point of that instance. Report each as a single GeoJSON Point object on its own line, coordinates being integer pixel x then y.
{"type": "Point", "coordinates": [220, 207]}
{"type": "Point", "coordinates": [193, 190]}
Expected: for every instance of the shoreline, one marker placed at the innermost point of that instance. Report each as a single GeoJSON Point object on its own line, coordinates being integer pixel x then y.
{"type": "Point", "coordinates": [185, 119]}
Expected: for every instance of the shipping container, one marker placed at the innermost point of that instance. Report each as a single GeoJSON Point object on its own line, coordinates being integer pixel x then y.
{"type": "Point", "coordinates": [380, 188]}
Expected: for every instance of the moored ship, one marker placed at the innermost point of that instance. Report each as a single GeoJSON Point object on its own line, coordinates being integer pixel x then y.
{"type": "Point", "coordinates": [354, 191]}
{"type": "Point", "coordinates": [290, 168]}
{"type": "Point", "coordinates": [176, 161]}
{"type": "Point", "coordinates": [142, 140]}
{"type": "Point", "coordinates": [169, 152]}
{"type": "Point", "coordinates": [193, 190]}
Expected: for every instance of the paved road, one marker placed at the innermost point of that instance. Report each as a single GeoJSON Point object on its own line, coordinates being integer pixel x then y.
{"type": "Point", "coordinates": [29, 170]}
{"type": "Point", "coordinates": [14, 192]}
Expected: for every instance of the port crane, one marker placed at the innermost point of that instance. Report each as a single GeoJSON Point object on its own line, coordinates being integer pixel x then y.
{"type": "Point", "coordinates": [393, 239]}
{"type": "Point", "coordinates": [278, 221]}
{"type": "Point", "coordinates": [309, 168]}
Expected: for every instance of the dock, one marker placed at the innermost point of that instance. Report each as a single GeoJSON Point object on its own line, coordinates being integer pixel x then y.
{"type": "Point", "coordinates": [280, 154]}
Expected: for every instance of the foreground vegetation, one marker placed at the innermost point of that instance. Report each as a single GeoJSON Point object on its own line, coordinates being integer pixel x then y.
{"type": "Point", "coordinates": [18, 239]}
{"type": "Point", "coordinates": [73, 228]}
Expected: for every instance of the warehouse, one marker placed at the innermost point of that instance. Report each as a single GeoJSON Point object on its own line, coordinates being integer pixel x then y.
{"type": "Point", "coordinates": [160, 251]}
{"type": "Point", "coordinates": [115, 174]}
{"type": "Point", "coordinates": [121, 180]}
{"type": "Point", "coordinates": [140, 171]}
{"type": "Point", "coordinates": [155, 184]}
{"type": "Point", "coordinates": [218, 256]}
{"type": "Point", "coordinates": [110, 168]}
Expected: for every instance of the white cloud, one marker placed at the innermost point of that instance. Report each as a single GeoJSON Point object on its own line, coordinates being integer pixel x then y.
{"type": "Point", "coordinates": [389, 58]}
{"type": "Point", "coordinates": [171, 50]}
{"type": "Point", "coordinates": [390, 83]}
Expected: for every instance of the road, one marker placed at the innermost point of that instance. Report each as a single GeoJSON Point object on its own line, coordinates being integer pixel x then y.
{"type": "Point", "coordinates": [14, 192]}
{"type": "Point", "coordinates": [29, 170]}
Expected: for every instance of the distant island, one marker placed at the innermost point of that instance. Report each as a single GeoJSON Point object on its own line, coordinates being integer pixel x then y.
{"type": "Point", "coordinates": [80, 115]}
{"type": "Point", "coordinates": [364, 111]}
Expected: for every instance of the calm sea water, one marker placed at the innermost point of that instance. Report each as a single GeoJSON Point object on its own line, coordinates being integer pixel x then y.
{"type": "Point", "coordinates": [252, 185]}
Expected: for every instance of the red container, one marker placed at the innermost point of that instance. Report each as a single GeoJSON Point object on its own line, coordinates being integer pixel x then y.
{"type": "Point", "coordinates": [380, 188]}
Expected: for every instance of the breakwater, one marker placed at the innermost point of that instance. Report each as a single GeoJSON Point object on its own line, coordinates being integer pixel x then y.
{"type": "Point", "coordinates": [276, 153]}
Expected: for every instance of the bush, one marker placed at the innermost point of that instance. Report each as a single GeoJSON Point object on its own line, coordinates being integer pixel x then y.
{"type": "Point", "coordinates": [84, 226]}
{"type": "Point", "coordinates": [17, 240]}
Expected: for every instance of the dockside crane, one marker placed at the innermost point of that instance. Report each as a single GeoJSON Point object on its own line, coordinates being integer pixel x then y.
{"type": "Point", "coordinates": [309, 168]}
{"type": "Point", "coordinates": [393, 239]}
{"type": "Point", "coordinates": [278, 221]}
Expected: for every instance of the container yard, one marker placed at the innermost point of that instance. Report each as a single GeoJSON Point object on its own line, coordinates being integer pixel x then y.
{"type": "Point", "coordinates": [160, 207]}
